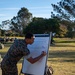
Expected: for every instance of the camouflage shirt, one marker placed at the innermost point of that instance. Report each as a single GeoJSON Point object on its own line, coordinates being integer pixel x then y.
{"type": "Point", "coordinates": [15, 52]}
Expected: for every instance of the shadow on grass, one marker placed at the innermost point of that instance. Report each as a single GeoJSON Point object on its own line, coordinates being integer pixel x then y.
{"type": "Point", "coordinates": [65, 41]}
{"type": "Point", "coordinates": [63, 46]}
{"type": "Point", "coordinates": [56, 54]}
{"type": "Point", "coordinates": [63, 60]}
{"type": "Point", "coordinates": [63, 54]}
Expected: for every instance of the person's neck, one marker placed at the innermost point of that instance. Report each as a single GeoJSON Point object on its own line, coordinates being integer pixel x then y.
{"type": "Point", "coordinates": [26, 42]}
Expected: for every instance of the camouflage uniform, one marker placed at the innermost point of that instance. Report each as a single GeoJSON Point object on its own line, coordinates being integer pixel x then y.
{"type": "Point", "coordinates": [14, 54]}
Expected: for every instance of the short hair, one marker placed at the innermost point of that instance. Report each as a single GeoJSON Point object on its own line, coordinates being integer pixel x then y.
{"type": "Point", "coordinates": [28, 35]}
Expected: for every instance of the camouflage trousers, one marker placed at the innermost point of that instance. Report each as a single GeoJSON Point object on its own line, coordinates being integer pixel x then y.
{"type": "Point", "coordinates": [8, 70]}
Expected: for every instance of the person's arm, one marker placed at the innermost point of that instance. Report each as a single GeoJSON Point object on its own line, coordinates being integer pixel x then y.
{"type": "Point", "coordinates": [33, 60]}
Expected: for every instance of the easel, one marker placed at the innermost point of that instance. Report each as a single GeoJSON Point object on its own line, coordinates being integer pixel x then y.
{"type": "Point", "coordinates": [40, 36]}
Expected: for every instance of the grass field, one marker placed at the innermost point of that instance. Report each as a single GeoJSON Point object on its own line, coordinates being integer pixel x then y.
{"type": "Point", "coordinates": [61, 56]}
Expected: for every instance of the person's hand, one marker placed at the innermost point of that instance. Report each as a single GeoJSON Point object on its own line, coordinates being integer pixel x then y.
{"type": "Point", "coordinates": [43, 53]}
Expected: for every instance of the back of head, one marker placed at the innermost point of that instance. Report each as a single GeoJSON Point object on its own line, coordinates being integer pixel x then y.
{"type": "Point", "coordinates": [28, 35]}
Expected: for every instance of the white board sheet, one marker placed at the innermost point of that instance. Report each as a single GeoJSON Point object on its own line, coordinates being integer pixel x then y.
{"type": "Point", "coordinates": [40, 44]}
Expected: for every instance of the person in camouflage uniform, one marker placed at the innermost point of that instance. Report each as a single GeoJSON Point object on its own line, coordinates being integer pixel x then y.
{"type": "Point", "coordinates": [15, 53]}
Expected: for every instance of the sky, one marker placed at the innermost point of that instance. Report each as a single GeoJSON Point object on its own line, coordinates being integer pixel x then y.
{"type": "Point", "coordinates": [38, 8]}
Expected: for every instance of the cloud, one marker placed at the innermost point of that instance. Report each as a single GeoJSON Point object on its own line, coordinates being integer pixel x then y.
{"type": "Point", "coordinates": [45, 7]}
{"type": "Point", "coordinates": [4, 17]}
{"type": "Point", "coordinates": [44, 12]}
{"type": "Point", "coordinates": [9, 9]}
{"type": "Point", "coordinates": [40, 10]}
{"type": "Point", "coordinates": [42, 15]}
{"type": "Point", "coordinates": [30, 8]}
{"type": "Point", "coordinates": [1, 15]}
{"type": "Point", "coordinates": [8, 13]}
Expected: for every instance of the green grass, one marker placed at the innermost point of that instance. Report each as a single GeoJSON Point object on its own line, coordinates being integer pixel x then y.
{"type": "Point", "coordinates": [61, 56]}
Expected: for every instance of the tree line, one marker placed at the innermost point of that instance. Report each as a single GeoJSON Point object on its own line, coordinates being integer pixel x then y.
{"type": "Point", "coordinates": [61, 23]}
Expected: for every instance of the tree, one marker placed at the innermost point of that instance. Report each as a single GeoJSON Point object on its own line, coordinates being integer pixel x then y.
{"type": "Point", "coordinates": [65, 9]}
{"type": "Point", "coordinates": [36, 26]}
{"type": "Point", "coordinates": [66, 14]}
{"type": "Point", "coordinates": [21, 20]}
{"type": "Point", "coordinates": [6, 23]}
{"type": "Point", "coordinates": [40, 25]}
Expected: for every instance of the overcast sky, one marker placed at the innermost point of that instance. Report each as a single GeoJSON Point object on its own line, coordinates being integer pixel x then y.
{"type": "Point", "coordinates": [38, 8]}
